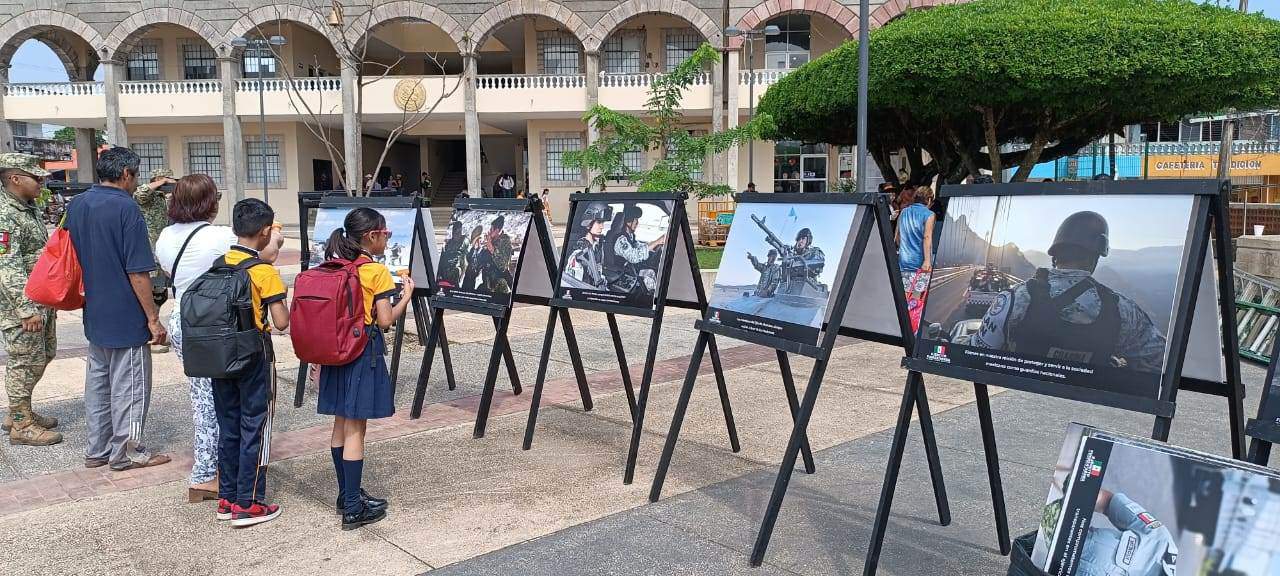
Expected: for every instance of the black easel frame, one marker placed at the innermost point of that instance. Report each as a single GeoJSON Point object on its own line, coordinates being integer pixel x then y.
{"type": "Point", "coordinates": [874, 216]}
{"type": "Point", "coordinates": [312, 201]}
{"type": "Point", "coordinates": [677, 231]}
{"type": "Point", "coordinates": [1209, 229]}
{"type": "Point", "coordinates": [501, 314]}
{"type": "Point", "coordinates": [1262, 430]}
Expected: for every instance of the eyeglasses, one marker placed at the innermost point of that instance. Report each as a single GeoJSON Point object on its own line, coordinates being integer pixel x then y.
{"type": "Point", "coordinates": [38, 179]}
{"type": "Point", "coordinates": [381, 232]}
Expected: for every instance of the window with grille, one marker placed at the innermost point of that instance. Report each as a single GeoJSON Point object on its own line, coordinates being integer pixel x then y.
{"type": "Point", "coordinates": [205, 157]}
{"type": "Point", "coordinates": [696, 173]}
{"type": "Point", "coordinates": [680, 44]}
{"type": "Point", "coordinates": [624, 52]}
{"type": "Point", "coordinates": [263, 161]}
{"type": "Point", "coordinates": [633, 160]}
{"type": "Point", "coordinates": [558, 53]}
{"type": "Point", "coordinates": [790, 48]}
{"type": "Point", "coordinates": [144, 61]}
{"type": "Point", "coordinates": [1160, 131]}
{"type": "Point", "coordinates": [152, 154]}
{"type": "Point", "coordinates": [259, 61]}
{"type": "Point", "coordinates": [554, 147]}
{"type": "Point", "coordinates": [199, 62]}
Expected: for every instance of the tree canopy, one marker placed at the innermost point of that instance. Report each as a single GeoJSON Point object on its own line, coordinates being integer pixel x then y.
{"type": "Point", "coordinates": [960, 81]}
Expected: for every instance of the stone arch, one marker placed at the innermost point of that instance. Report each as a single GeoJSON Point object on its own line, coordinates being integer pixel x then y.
{"type": "Point", "coordinates": [57, 30]}
{"type": "Point", "coordinates": [278, 13]}
{"type": "Point", "coordinates": [625, 11]}
{"type": "Point", "coordinates": [895, 8]}
{"type": "Point", "coordinates": [841, 14]}
{"type": "Point", "coordinates": [128, 32]}
{"type": "Point", "coordinates": [494, 17]}
{"type": "Point", "coordinates": [412, 10]}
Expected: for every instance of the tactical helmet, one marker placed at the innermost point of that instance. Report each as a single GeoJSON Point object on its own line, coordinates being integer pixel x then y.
{"type": "Point", "coordinates": [804, 233]}
{"type": "Point", "coordinates": [1086, 230]}
{"type": "Point", "coordinates": [631, 212]}
{"type": "Point", "coordinates": [596, 212]}
{"type": "Point", "coordinates": [773, 253]}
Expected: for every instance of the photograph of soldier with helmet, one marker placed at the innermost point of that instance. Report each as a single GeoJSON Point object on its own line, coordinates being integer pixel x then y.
{"type": "Point", "coordinates": [400, 222]}
{"type": "Point", "coordinates": [481, 253]}
{"type": "Point", "coordinates": [615, 251]}
{"type": "Point", "coordinates": [1079, 290]}
{"type": "Point", "coordinates": [779, 266]}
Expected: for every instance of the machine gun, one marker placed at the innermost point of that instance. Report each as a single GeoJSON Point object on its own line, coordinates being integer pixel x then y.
{"type": "Point", "coordinates": [771, 238]}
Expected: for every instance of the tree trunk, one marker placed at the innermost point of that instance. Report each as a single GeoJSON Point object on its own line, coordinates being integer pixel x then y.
{"type": "Point", "coordinates": [881, 156]}
{"type": "Point", "coordinates": [966, 157]}
{"type": "Point", "coordinates": [993, 146]}
{"type": "Point", "coordinates": [1032, 155]}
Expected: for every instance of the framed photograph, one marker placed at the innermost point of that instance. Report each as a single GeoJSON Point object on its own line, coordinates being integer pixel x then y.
{"type": "Point", "coordinates": [400, 221]}
{"type": "Point", "coordinates": [1071, 289]}
{"type": "Point", "coordinates": [779, 268]}
{"type": "Point", "coordinates": [616, 251]}
{"type": "Point", "coordinates": [480, 259]}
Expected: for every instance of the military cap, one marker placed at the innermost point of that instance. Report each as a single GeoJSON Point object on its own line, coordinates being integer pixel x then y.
{"type": "Point", "coordinates": [161, 173]}
{"type": "Point", "coordinates": [24, 162]}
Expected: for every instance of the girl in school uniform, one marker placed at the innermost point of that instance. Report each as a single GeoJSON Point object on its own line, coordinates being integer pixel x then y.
{"type": "Point", "coordinates": [361, 390]}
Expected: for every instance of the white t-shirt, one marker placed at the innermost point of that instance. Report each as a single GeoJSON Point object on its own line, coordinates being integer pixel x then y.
{"type": "Point", "coordinates": [207, 245]}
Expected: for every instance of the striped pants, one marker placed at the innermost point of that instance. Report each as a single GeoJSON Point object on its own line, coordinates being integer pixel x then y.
{"type": "Point", "coordinates": [117, 394]}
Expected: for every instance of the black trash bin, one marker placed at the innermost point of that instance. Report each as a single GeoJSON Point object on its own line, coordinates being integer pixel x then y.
{"type": "Point", "coordinates": [1020, 563]}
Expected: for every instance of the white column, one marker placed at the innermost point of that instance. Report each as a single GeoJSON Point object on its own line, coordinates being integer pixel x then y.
{"type": "Point", "coordinates": [112, 72]}
{"type": "Point", "coordinates": [717, 119]}
{"type": "Point", "coordinates": [471, 126]}
{"type": "Point", "coordinates": [6, 134]}
{"type": "Point", "coordinates": [351, 130]}
{"type": "Point", "coordinates": [233, 158]}
{"type": "Point", "coordinates": [731, 160]}
{"type": "Point", "coordinates": [592, 61]}
{"type": "Point", "coordinates": [85, 155]}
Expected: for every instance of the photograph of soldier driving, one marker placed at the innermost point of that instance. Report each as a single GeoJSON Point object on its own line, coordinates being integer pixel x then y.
{"type": "Point", "coordinates": [400, 224]}
{"type": "Point", "coordinates": [1059, 287]}
{"type": "Point", "coordinates": [480, 255]}
{"type": "Point", "coordinates": [615, 251]}
{"type": "Point", "coordinates": [1146, 511]}
{"type": "Point", "coordinates": [778, 268]}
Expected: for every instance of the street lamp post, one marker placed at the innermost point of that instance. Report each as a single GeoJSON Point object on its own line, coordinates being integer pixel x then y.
{"type": "Point", "coordinates": [750, 36]}
{"type": "Point", "coordinates": [259, 46]}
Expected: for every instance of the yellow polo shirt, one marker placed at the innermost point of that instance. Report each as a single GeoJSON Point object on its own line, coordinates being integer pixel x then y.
{"type": "Point", "coordinates": [266, 285]}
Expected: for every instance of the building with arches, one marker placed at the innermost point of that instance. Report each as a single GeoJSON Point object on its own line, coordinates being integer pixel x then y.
{"type": "Point", "coordinates": [510, 82]}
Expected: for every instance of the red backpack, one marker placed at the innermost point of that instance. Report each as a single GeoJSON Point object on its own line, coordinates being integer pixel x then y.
{"type": "Point", "coordinates": [327, 315]}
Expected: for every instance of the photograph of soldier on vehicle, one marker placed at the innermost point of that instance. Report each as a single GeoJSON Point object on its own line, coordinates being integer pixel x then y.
{"type": "Point", "coordinates": [779, 265]}
{"type": "Point", "coordinates": [400, 221]}
{"type": "Point", "coordinates": [480, 254]}
{"type": "Point", "coordinates": [1083, 280]}
{"type": "Point", "coordinates": [615, 250]}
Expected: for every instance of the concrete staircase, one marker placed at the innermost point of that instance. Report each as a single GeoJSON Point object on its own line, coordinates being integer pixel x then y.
{"type": "Point", "coordinates": [448, 188]}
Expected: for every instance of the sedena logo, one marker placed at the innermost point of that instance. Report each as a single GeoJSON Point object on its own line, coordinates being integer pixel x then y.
{"type": "Point", "coordinates": [939, 354]}
{"type": "Point", "coordinates": [1095, 470]}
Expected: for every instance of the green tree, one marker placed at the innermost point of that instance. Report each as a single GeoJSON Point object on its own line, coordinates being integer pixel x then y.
{"type": "Point", "coordinates": [67, 135]}
{"type": "Point", "coordinates": [662, 129]}
{"type": "Point", "coordinates": [960, 82]}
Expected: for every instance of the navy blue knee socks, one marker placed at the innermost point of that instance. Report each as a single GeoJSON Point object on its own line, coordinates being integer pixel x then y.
{"type": "Point", "coordinates": [351, 472]}
{"type": "Point", "coordinates": [336, 453]}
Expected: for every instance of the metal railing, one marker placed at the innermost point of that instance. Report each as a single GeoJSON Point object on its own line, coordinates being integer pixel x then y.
{"type": "Point", "coordinates": [528, 81]}
{"type": "Point", "coordinates": [53, 89]}
{"type": "Point", "coordinates": [212, 86]}
{"type": "Point", "coordinates": [319, 84]}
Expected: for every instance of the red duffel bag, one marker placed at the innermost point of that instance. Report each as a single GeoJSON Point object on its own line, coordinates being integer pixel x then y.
{"type": "Point", "coordinates": [57, 280]}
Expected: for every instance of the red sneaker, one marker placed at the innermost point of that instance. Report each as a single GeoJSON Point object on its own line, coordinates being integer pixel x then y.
{"type": "Point", "coordinates": [224, 509]}
{"type": "Point", "coordinates": [253, 515]}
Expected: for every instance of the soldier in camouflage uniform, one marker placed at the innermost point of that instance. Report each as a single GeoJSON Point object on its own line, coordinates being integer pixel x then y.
{"type": "Point", "coordinates": [28, 328]}
{"type": "Point", "coordinates": [155, 203]}
{"type": "Point", "coordinates": [495, 260]}
{"type": "Point", "coordinates": [1063, 313]}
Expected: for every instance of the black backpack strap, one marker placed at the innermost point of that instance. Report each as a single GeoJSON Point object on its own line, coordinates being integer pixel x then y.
{"type": "Point", "coordinates": [173, 270]}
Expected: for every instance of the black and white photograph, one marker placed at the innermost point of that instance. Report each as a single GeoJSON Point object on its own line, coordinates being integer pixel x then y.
{"type": "Point", "coordinates": [616, 251]}
{"type": "Point", "coordinates": [1133, 506]}
{"type": "Point", "coordinates": [779, 268]}
{"type": "Point", "coordinates": [481, 253]}
{"type": "Point", "coordinates": [1071, 289]}
{"type": "Point", "coordinates": [400, 221]}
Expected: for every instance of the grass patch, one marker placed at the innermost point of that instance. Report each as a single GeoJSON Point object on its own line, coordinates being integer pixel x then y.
{"type": "Point", "coordinates": [709, 257]}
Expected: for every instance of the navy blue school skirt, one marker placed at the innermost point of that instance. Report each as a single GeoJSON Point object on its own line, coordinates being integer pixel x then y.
{"type": "Point", "coordinates": [362, 389]}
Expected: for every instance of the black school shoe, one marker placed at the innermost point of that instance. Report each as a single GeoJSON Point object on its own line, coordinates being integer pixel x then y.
{"type": "Point", "coordinates": [366, 515]}
{"type": "Point", "coordinates": [370, 501]}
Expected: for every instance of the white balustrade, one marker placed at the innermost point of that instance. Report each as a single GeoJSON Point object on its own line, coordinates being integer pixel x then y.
{"type": "Point", "coordinates": [527, 81]}
{"type": "Point", "coordinates": [309, 84]}
{"type": "Point", "coordinates": [643, 80]}
{"type": "Point", "coordinates": [762, 77]}
{"type": "Point", "coordinates": [53, 89]}
{"type": "Point", "coordinates": [211, 86]}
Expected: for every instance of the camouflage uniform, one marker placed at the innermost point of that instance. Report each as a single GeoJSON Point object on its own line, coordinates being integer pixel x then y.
{"type": "Point", "coordinates": [497, 275]}
{"type": "Point", "coordinates": [155, 204]}
{"type": "Point", "coordinates": [22, 240]}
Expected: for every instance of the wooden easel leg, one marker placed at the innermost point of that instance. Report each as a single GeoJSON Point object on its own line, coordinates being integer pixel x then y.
{"type": "Point", "coordinates": [575, 357]}
{"type": "Point", "coordinates": [883, 510]}
{"type": "Point", "coordinates": [395, 353]}
{"type": "Point", "coordinates": [637, 423]}
{"type": "Point", "coordinates": [931, 453]}
{"type": "Point", "coordinates": [1160, 431]}
{"type": "Point", "coordinates": [424, 372]}
{"type": "Point", "coordinates": [793, 403]}
{"type": "Point", "coordinates": [993, 467]}
{"type": "Point", "coordinates": [723, 389]}
{"type": "Point", "coordinates": [622, 364]}
{"type": "Point", "coordinates": [500, 349]}
{"type": "Point", "coordinates": [677, 419]}
{"type": "Point", "coordinates": [443, 341]}
{"type": "Point", "coordinates": [1259, 452]}
{"type": "Point", "coordinates": [788, 461]}
{"type": "Point", "coordinates": [500, 341]}
{"type": "Point", "coordinates": [543, 360]}
{"type": "Point", "coordinates": [1235, 411]}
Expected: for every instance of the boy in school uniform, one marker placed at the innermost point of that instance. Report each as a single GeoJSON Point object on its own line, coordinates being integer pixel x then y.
{"type": "Point", "coordinates": [243, 405]}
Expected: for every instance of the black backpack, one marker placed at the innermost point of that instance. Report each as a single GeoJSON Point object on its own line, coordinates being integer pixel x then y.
{"type": "Point", "coordinates": [219, 336]}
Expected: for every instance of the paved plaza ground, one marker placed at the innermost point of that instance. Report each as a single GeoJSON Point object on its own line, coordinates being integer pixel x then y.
{"type": "Point", "coordinates": [483, 506]}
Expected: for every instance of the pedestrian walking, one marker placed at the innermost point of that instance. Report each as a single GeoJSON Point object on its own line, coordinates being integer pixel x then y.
{"type": "Point", "coordinates": [120, 317]}
{"type": "Point", "coordinates": [914, 236]}
{"type": "Point", "coordinates": [28, 328]}
{"type": "Point", "coordinates": [186, 249]}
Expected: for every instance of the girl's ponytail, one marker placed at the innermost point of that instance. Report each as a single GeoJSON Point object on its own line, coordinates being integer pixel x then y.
{"type": "Point", "coordinates": [345, 242]}
{"type": "Point", "coordinates": [341, 246]}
